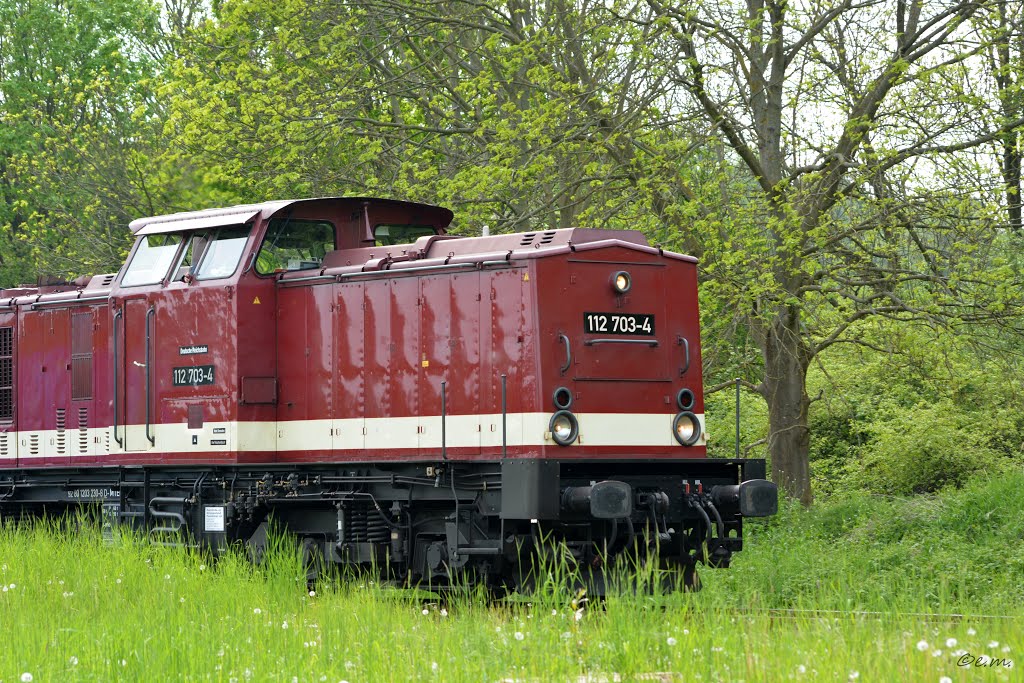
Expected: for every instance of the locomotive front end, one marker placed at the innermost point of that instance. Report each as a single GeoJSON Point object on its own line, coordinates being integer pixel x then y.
{"type": "Point", "coordinates": [624, 469]}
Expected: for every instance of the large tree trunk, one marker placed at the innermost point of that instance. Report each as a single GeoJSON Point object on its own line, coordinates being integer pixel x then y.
{"type": "Point", "coordinates": [786, 358]}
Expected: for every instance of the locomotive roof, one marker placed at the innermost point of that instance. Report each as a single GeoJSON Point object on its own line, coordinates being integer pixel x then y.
{"type": "Point", "coordinates": [242, 213]}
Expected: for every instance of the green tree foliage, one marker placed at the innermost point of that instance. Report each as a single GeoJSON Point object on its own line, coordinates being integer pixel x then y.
{"type": "Point", "coordinates": [519, 115]}
{"type": "Point", "coordinates": [856, 181]}
{"type": "Point", "coordinates": [79, 148]}
{"type": "Point", "coordinates": [830, 163]}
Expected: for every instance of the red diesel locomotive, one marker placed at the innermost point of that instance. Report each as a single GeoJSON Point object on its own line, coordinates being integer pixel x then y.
{"type": "Point", "coordinates": [398, 398]}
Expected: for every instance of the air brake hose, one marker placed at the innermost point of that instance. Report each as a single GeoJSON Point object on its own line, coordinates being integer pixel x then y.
{"type": "Point", "coordinates": [695, 504]}
{"type": "Point", "coordinates": [718, 519]}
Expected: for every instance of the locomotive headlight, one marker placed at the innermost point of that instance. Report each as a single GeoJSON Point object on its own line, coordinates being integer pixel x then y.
{"type": "Point", "coordinates": [686, 428]}
{"type": "Point", "coordinates": [621, 282]}
{"type": "Point", "coordinates": [564, 428]}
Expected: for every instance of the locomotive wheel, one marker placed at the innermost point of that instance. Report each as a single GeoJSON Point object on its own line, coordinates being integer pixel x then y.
{"type": "Point", "coordinates": [691, 581]}
{"type": "Point", "coordinates": [314, 563]}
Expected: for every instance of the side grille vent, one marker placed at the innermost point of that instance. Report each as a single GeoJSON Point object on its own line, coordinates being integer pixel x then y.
{"type": "Point", "coordinates": [537, 238]}
{"type": "Point", "coordinates": [6, 373]}
{"type": "Point", "coordinates": [33, 444]}
{"type": "Point", "coordinates": [5, 439]}
{"type": "Point", "coordinates": [62, 434]}
{"type": "Point", "coordinates": [83, 431]}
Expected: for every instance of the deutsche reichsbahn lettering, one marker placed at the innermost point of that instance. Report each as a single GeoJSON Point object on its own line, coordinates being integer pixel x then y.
{"type": "Point", "coordinates": [193, 350]}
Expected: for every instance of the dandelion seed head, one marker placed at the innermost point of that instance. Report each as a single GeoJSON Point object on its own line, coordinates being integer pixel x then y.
{"type": "Point", "coordinates": [945, 679]}
{"type": "Point", "coordinates": [425, 611]}
{"type": "Point", "coordinates": [312, 594]}
{"type": "Point", "coordinates": [26, 677]}
{"type": "Point", "coordinates": [993, 644]}
{"type": "Point", "coordinates": [202, 567]}
{"type": "Point", "coordinates": [181, 599]}
{"type": "Point", "coordinates": [801, 669]}
{"type": "Point", "coordinates": [959, 653]}
{"type": "Point", "coordinates": [434, 667]}
{"type": "Point", "coordinates": [922, 645]}
{"type": "Point", "coordinates": [950, 642]}
{"type": "Point", "coordinates": [1006, 648]}
{"type": "Point", "coordinates": [284, 625]}
{"type": "Point", "coordinates": [257, 611]}
{"type": "Point", "coordinates": [519, 635]}
{"type": "Point", "coordinates": [686, 631]}
{"type": "Point", "coordinates": [118, 581]}
{"type": "Point", "coordinates": [854, 675]}
{"type": "Point", "coordinates": [671, 641]}
{"type": "Point", "coordinates": [936, 653]}
{"type": "Point", "coordinates": [971, 632]}
{"type": "Point", "coordinates": [444, 612]}
{"type": "Point", "coordinates": [73, 660]}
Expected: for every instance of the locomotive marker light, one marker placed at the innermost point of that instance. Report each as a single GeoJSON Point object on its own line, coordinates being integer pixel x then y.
{"type": "Point", "coordinates": [562, 398]}
{"type": "Point", "coordinates": [621, 282]}
{"type": "Point", "coordinates": [564, 428]}
{"type": "Point", "coordinates": [686, 428]}
{"type": "Point", "coordinates": [685, 399]}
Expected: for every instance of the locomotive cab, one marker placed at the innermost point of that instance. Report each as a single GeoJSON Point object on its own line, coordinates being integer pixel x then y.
{"type": "Point", "coordinates": [195, 326]}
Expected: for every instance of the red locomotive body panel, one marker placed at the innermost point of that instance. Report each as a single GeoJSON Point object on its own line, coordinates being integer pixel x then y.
{"type": "Point", "coordinates": [356, 357]}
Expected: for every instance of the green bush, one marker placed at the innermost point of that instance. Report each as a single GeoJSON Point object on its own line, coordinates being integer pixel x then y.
{"type": "Point", "coordinates": [926, 449]}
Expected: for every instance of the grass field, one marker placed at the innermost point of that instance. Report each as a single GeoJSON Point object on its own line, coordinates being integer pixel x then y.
{"type": "Point", "coordinates": [855, 589]}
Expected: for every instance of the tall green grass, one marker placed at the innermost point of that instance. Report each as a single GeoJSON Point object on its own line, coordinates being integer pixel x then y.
{"type": "Point", "coordinates": [75, 609]}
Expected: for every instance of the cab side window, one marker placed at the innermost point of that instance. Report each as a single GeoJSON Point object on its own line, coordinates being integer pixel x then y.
{"type": "Point", "coordinates": [221, 256]}
{"type": "Point", "coordinates": [294, 244]}
{"type": "Point", "coordinates": [387, 235]}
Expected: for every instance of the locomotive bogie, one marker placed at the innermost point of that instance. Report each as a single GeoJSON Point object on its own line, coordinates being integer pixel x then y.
{"type": "Point", "coordinates": [396, 397]}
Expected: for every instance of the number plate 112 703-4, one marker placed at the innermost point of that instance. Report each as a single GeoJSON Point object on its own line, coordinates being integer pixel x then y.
{"type": "Point", "coordinates": [619, 323]}
{"type": "Point", "coordinates": [193, 375]}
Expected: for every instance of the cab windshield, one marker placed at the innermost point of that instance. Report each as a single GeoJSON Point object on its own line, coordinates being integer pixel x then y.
{"type": "Point", "coordinates": [152, 260]}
